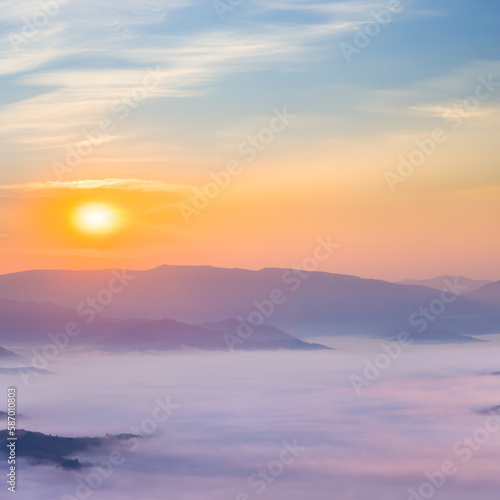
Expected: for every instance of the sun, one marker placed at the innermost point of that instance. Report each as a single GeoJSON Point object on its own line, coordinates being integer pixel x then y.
{"type": "Point", "coordinates": [96, 218]}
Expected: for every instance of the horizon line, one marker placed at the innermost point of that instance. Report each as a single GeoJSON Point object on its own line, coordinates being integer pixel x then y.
{"type": "Point", "coordinates": [399, 282]}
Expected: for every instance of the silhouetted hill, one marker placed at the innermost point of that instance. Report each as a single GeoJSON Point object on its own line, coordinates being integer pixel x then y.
{"type": "Point", "coordinates": [9, 357]}
{"type": "Point", "coordinates": [315, 304]}
{"type": "Point", "coordinates": [5, 354]}
{"type": "Point", "coordinates": [28, 322]}
{"type": "Point", "coordinates": [54, 450]}
{"type": "Point", "coordinates": [489, 411]}
{"type": "Point", "coordinates": [3, 416]}
{"type": "Point", "coordinates": [487, 294]}
{"type": "Point", "coordinates": [435, 336]}
{"type": "Point", "coordinates": [169, 335]}
{"type": "Point", "coordinates": [261, 337]}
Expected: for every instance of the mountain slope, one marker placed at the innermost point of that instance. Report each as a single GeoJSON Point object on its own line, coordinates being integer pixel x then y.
{"type": "Point", "coordinates": [10, 357]}
{"type": "Point", "coordinates": [309, 304]}
{"type": "Point", "coordinates": [487, 294]}
{"type": "Point", "coordinates": [54, 450]}
{"type": "Point", "coordinates": [439, 282]}
{"type": "Point", "coordinates": [170, 335]}
{"type": "Point", "coordinates": [260, 337]}
{"type": "Point", "coordinates": [28, 322]}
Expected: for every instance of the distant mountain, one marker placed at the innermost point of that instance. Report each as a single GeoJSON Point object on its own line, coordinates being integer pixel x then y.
{"type": "Point", "coordinates": [169, 335]}
{"type": "Point", "coordinates": [54, 450]}
{"type": "Point", "coordinates": [306, 304]}
{"type": "Point", "coordinates": [440, 282]}
{"type": "Point", "coordinates": [31, 323]}
{"type": "Point", "coordinates": [10, 357]}
{"type": "Point", "coordinates": [10, 362]}
{"type": "Point", "coordinates": [263, 336]}
{"type": "Point", "coordinates": [28, 322]}
{"type": "Point", "coordinates": [488, 294]}
{"type": "Point", "coordinates": [3, 415]}
{"type": "Point", "coordinates": [435, 336]}
{"type": "Point", "coordinates": [489, 411]}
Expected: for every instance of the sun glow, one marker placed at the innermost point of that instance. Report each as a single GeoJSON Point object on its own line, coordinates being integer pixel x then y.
{"type": "Point", "coordinates": [96, 218]}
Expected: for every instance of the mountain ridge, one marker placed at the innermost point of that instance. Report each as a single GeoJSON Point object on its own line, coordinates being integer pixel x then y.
{"type": "Point", "coordinates": [313, 303]}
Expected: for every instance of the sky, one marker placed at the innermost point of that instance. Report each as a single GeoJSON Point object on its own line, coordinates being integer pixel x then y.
{"type": "Point", "coordinates": [199, 132]}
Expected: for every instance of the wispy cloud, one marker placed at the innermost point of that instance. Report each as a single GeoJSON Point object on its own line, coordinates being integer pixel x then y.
{"type": "Point", "coordinates": [450, 109]}
{"type": "Point", "coordinates": [139, 185]}
{"type": "Point", "coordinates": [135, 35]}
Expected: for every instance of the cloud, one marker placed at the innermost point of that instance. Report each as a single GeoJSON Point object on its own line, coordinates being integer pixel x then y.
{"type": "Point", "coordinates": [138, 185]}
{"type": "Point", "coordinates": [453, 109]}
{"type": "Point", "coordinates": [233, 418]}
{"type": "Point", "coordinates": [65, 98]}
